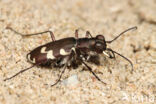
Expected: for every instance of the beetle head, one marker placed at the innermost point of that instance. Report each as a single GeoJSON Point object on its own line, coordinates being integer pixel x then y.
{"type": "Point", "coordinates": [100, 44]}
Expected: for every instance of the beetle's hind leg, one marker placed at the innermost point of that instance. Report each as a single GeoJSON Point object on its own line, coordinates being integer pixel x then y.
{"type": "Point", "coordinates": [18, 73]}
{"type": "Point", "coordinates": [51, 33]}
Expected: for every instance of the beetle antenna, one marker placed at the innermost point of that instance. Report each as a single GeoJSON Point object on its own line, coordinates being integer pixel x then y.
{"type": "Point", "coordinates": [19, 73]}
{"type": "Point", "coordinates": [132, 28]}
{"type": "Point", "coordinates": [122, 57]}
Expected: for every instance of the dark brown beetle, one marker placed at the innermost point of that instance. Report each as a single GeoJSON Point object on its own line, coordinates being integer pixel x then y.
{"type": "Point", "coordinates": [69, 51]}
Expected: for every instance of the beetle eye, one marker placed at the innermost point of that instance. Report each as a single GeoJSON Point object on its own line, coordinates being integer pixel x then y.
{"type": "Point", "coordinates": [100, 37]}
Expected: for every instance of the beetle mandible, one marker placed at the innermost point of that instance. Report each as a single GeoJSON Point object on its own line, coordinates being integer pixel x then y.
{"type": "Point", "coordinates": [68, 51]}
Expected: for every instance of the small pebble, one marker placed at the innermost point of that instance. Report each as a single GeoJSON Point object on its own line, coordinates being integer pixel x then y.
{"type": "Point", "coordinates": [71, 81]}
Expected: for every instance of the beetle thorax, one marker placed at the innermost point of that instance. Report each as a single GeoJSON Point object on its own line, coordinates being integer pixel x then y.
{"type": "Point", "coordinates": [96, 44]}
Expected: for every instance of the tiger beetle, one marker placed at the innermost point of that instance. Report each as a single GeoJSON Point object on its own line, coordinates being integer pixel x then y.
{"type": "Point", "coordinates": [71, 51]}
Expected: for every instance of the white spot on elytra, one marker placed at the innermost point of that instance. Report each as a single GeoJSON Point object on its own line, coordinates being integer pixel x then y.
{"type": "Point", "coordinates": [50, 55]}
{"type": "Point", "coordinates": [63, 52]}
{"type": "Point", "coordinates": [33, 61]}
{"type": "Point", "coordinates": [43, 50]}
{"type": "Point", "coordinates": [29, 57]}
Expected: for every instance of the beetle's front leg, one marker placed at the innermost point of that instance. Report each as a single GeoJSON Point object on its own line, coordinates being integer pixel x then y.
{"type": "Point", "coordinates": [90, 69]}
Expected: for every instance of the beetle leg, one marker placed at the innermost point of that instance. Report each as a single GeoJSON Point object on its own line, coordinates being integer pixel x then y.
{"type": "Point", "coordinates": [90, 69]}
{"type": "Point", "coordinates": [76, 34]}
{"type": "Point", "coordinates": [51, 33]}
{"type": "Point", "coordinates": [60, 75]}
{"type": "Point", "coordinates": [88, 34]}
{"type": "Point", "coordinates": [18, 73]}
{"type": "Point", "coordinates": [64, 68]}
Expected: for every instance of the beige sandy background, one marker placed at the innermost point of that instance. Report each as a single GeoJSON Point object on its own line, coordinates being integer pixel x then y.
{"type": "Point", "coordinates": [107, 17]}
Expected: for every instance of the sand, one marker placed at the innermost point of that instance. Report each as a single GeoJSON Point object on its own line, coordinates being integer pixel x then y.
{"type": "Point", "coordinates": [107, 17]}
